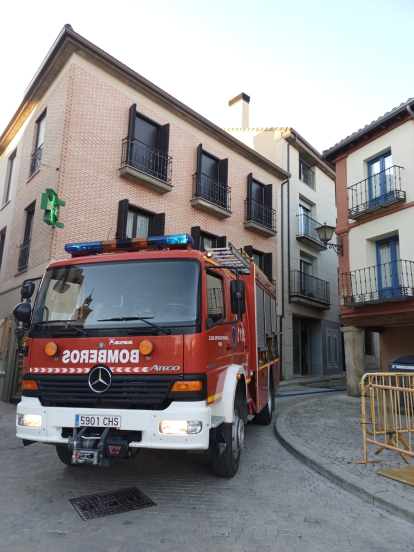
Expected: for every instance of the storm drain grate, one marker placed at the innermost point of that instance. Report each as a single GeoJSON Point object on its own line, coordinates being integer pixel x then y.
{"type": "Point", "coordinates": [114, 502]}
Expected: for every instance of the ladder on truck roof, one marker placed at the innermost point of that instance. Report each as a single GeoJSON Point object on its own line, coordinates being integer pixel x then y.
{"type": "Point", "coordinates": [229, 257]}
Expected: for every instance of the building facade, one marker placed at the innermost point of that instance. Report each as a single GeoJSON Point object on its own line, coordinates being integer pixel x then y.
{"type": "Point", "coordinates": [375, 192]}
{"type": "Point", "coordinates": [129, 161]}
{"type": "Point", "coordinates": [311, 342]}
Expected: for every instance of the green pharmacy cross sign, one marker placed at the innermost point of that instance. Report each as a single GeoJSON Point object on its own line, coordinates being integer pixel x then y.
{"type": "Point", "coordinates": [50, 203]}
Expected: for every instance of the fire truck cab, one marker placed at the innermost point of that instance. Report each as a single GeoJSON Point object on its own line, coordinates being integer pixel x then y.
{"type": "Point", "coordinates": [147, 343]}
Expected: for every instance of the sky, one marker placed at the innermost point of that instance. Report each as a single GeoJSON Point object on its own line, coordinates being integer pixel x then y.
{"type": "Point", "coordinates": [324, 67]}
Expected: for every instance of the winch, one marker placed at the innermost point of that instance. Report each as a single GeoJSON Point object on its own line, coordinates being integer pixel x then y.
{"type": "Point", "coordinates": [100, 448]}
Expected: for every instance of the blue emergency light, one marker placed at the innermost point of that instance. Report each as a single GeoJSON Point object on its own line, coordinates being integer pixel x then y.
{"type": "Point", "coordinates": [126, 244]}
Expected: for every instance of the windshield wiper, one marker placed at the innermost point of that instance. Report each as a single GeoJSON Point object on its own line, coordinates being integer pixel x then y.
{"type": "Point", "coordinates": [62, 322]}
{"type": "Point", "coordinates": [144, 319]}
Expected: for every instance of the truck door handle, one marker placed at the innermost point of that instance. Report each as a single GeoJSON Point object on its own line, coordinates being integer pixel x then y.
{"type": "Point", "coordinates": [228, 347]}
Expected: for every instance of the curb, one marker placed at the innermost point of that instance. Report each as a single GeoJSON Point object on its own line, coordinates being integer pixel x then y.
{"type": "Point", "coordinates": [373, 494]}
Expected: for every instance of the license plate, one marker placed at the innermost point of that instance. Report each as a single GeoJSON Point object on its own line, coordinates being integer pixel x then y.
{"type": "Point", "coordinates": [97, 420]}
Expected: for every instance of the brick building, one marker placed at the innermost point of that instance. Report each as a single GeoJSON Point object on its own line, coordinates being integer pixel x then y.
{"type": "Point", "coordinates": [129, 160]}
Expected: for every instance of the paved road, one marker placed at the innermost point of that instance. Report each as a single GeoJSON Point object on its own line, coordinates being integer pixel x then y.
{"type": "Point", "coordinates": [274, 503]}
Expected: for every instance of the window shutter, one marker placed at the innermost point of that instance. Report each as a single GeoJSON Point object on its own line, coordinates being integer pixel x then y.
{"type": "Point", "coordinates": [199, 157]}
{"type": "Point", "coordinates": [249, 250]}
{"type": "Point", "coordinates": [122, 219]}
{"type": "Point", "coordinates": [268, 195]}
{"type": "Point", "coordinates": [159, 224]}
{"type": "Point", "coordinates": [248, 212]}
{"type": "Point", "coordinates": [131, 123]}
{"type": "Point", "coordinates": [268, 266]}
{"type": "Point", "coordinates": [222, 241]}
{"type": "Point", "coordinates": [196, 235]}
{"type": "Point", "coordinates": [224, 171]}
{"type": "Point", "coordinates": [164, 138]}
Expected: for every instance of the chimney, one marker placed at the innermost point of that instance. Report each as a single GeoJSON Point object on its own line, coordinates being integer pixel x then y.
{"type": "Point", "coordinates": [239, 111]}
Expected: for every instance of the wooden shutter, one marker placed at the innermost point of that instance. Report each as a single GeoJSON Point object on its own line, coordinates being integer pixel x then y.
{"type": "Point", "coordinates": [196, 235]}
{"type": "Point", "coordinates": [132, 118]}
{"type": "Point", "coordinates": [224, 171]}
{"type": "Point", "coordinates": [164, 138]}
{"type": "Point", "coordinates": [199, 157]}
{"type": "Point", "coordinates": [268, 196]}
{"type": "Point", "coordinates": [268, 266]}
{"type": "Point", "coordinates": [249, 250]}
{"type": "Point", "coordinates": [122, 219]}
{"type": "Point", "coordinates": [249, 196]}
{"type": "Point", "coordinates": [222, 241]}
{"type": "Point", "coordinates": [159, 224]}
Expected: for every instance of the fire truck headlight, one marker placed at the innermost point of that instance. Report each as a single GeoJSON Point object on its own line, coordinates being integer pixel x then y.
{"type": "Point", "coordinates": [180, 427]}
{"type": "Point", "coordinates": [29, 420]}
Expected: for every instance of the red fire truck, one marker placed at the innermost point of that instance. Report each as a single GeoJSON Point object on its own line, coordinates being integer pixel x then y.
{"type": "Point", "coordinates": [147, 343]}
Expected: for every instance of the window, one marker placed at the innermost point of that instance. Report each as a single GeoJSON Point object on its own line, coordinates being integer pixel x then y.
{"type": "Point", "coordinates": [306, 274]}
{"type": "Point", "coordinates": [9, 177]}
{"type": "Point", "coordinates": [259, 203]}
{"type": "Point", "coordinates": [389, 267]}
{"type": "Point", "coordinates": [27, 237]}
{"type": "Point", "coordinates": [135, 222]}
{"type": "Point", "coordinates": [368, 342]}
{"type": "Point", "coordinates": [380, 177]}
{"type": "Point", "coordinates": [263, 260]}
{"type": "Point", "coordinates": [202, 238]}
{"type": "Point", "coordinates": [306, 174]}
{"type": "Point", "coordinates": [40, 134]}
{"type": "Point", "coordinates": [148, 144]}
{"type": "Point", "coordinates": [2, 242]}
{"type": "Point", "coordinates": [215, 297]}
{"type": "Point", "coordinates": [211, 179]}
{"type": "Point", "coordinates": [305, 219]}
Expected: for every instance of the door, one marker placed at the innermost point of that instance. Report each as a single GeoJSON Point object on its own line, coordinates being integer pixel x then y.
{"type": "Point", "coordinates": [380, 179]}
{"type": "Point", "coordinates": [388, 268]}
{"type": "Point", "coordinates": [332, 349]}
{"type": "Point", "coordinates": [306, 273]}
{"type": "Point", "coordinates": [305, 217]}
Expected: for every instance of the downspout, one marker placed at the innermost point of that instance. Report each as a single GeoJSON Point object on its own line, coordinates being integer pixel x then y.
{"type": "Point", "coordinates": [288, 216]}
{"type": "Point", "coordinates": [410, 111]}
{"type": "Point", "coordinates": [282, 293]}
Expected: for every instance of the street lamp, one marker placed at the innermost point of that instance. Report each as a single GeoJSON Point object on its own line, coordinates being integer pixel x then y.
{"type": "Point", "coordinates": [325, 233]}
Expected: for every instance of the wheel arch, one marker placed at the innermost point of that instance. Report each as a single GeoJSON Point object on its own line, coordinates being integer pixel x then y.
{"type": "Point", "coordinates": [224, 407]}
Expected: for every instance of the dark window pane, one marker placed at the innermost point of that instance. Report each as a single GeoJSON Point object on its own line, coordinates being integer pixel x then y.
{"type": "Point", "coordinates": [257, 192]}
{"type": "Point", "coordinates": [209, 166]}
{"type": "Point", "coordinates": [147, 133]}
{"type": "Point", "coordinates": [215, 297]}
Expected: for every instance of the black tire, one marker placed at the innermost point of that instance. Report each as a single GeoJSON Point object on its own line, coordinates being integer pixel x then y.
{"type": "Point", "coordinates": [264, 417]}
{"type": "Point", "coordinates": [65, 455]}
{"type": "Point", "coordinates": [227, 465]}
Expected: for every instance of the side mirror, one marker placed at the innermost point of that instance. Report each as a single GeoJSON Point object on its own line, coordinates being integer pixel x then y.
{"type": "Point", "coordinates": [209, 323]}
{"type": "Point", "coordinates": [23, 312]}
{"type": "Point", "coordinates": [238, 297]}
{"type": "Point", "coordinates": [27, 290]}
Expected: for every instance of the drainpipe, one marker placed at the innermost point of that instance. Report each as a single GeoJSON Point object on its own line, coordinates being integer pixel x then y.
{"type": "Point", "coordinates": [288, 216]}
{"type": "Point", "coordinates": [410, 111]}
{"type": "Point", "coordinates": [282, 293]}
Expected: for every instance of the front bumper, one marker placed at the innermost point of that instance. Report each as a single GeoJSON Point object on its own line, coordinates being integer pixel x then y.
{"type": "Point", "coordinates": [146, 421]}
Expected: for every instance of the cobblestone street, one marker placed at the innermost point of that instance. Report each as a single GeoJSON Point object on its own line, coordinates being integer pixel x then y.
{"type": "Point", "coordinates": [274, 503]}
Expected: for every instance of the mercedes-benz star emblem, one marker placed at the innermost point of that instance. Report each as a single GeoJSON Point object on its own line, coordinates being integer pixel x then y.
{"type": "Point", "coordinates": [100, 379]}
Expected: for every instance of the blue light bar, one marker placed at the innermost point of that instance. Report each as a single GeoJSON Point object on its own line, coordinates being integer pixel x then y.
{"type": "Point", "coordinates": [84, 247]}
{"type": "Point", "coordinates": [176, 239]}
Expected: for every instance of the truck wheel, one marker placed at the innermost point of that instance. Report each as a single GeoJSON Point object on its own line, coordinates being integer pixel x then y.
{"type": "Point", "coordinates": [65, 455]}
{"type": "Point", "coordinates": [227, 464]}
{"type": "Point", "coordinates": [265, 415]}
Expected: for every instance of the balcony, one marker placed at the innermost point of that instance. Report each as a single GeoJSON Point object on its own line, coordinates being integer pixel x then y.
{"type": "Point", "coordinates": [308, 290]}
{"type": "Point", "coordinates": [36, 160]}
{"type": "Point", "coordinates": [259, 218]}
{"type": "Point", "coordinates": [377, 192]}
{"type": "Point", "coordinates": [393, 281]}
{"type": "Point", "coordinates": [211, 196]}
{"type": "Point", "coordinates": [24, 256]}
{"type": "Point", "coordinates": [147, 166]}
{"type": "Point", "coordinates": [307, 232]}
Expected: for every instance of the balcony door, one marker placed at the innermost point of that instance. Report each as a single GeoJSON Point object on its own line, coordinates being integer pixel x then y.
{"type": "Point", "coordinates": [306, 273]}
{"type": "Point", "coordinates": [380, 178]}
{"type": "Point", "coordinates": [305, 216]}
{"type": "Point", "coordinates": [388, 267]}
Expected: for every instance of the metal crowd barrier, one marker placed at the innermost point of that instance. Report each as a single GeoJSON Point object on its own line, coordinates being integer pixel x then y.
{"type": "Point", "coordinates": [387, 404]}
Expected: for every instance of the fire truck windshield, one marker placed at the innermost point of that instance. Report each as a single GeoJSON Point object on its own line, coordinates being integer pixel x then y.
{"type": "Point", "coordinates": [111, 294]}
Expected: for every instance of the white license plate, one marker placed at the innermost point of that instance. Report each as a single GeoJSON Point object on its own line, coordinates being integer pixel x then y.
{"type": "Point", "coordinates": [97, 420]}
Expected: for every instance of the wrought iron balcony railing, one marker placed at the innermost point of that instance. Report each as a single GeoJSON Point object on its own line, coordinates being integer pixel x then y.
{"type": "Point", "coordinates": [36, 160]}
{"type": "Point", "coordinates": [259, 213]}
{"type": "Point", "coordinates": [376, 192]}
{"type": "Point", "coordinates": [309, 287]}
{"type": "Point", "coordinates": [138, 155]}
{"type": "Point", "coordinates": [24, 256]}
{"type": "Point", "coordinates": [393, 281]}
{"type": "Point", "coordinates": [211, 190]}
{"type": "Point", "coordinates": [307, 229]}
